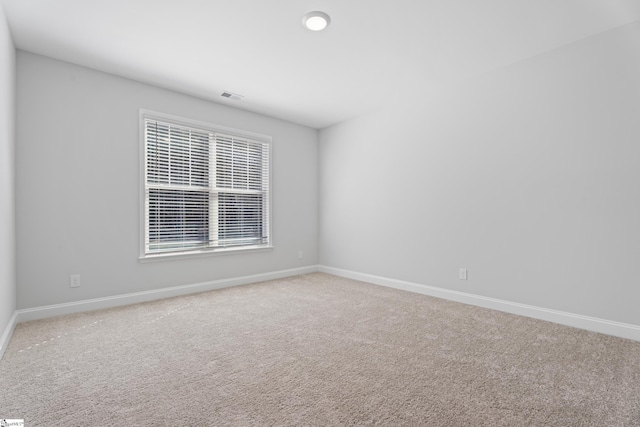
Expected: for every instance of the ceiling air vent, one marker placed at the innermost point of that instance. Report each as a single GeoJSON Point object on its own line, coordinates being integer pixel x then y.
{"type": "Point", "coordinates": [233, 96]}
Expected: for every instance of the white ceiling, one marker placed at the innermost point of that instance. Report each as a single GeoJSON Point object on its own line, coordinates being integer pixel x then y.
{"type": "Point", "coordinates": [259, 49]}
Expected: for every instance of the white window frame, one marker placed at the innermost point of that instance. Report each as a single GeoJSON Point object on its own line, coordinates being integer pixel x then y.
{"type": "Point", "coordinates": [144, 256]}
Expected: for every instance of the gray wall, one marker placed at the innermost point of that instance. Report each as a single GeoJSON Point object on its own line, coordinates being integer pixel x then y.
{"type": "Point", "coordinates": [7, 176]}
{"type": "Point", "coordinates": [78, 184]}
{"type": "Point", "coordinates": [527, 176]}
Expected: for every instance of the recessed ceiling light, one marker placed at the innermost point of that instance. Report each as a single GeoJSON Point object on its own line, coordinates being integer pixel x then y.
{"type": "Point", "coordinates": [316, 21]}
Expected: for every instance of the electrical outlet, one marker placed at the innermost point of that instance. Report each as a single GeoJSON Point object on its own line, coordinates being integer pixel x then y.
{"type": "Point", "coordinates": [74, 281]}
{"type": "Point", "coordinates": [300, 254]}
{"type": "Point", "coordinates": [462, 273]}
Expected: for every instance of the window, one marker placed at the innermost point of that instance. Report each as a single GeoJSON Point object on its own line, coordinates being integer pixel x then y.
{"type": "Point", "coordinates": [206, 188]}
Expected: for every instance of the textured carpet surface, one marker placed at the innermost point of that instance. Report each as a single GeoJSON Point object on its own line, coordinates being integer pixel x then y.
{"type": "Point", "coordinates": [315, 350]}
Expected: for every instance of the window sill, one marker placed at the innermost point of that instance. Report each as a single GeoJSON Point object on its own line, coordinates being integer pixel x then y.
{"type": "Point", "coordinates": [202, 254]}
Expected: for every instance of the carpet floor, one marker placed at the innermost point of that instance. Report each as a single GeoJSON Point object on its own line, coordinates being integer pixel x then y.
{"type": "Point", "coordinates": [315, 350]}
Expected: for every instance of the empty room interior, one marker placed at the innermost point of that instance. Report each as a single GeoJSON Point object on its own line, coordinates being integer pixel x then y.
{"type": "Point", "coordinates": [320, 212]}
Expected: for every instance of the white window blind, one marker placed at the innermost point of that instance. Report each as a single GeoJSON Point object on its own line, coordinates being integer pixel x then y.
{"type": "Point", "coordinates": [204, 189]}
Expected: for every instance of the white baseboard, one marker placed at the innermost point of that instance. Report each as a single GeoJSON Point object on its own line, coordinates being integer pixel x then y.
{"type": "Point", "coordinates": [609, 327]}
{"type": "Point", "coordinates": [623, 330]}
{"type": "Point", "coordinates": [7, 333]}
{"type": "Point", "coordinates": [44, 312]}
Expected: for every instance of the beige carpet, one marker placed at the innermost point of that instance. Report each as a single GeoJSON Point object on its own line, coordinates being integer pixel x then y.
{"type": "Point", "coordinates": [315, 350]}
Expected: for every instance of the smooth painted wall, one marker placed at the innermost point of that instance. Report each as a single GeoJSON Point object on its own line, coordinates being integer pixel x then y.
{"type": "Point", "coordinates": [78, 186]}
{"type": "Point", "coordinates": [527, 176]}
{"type": "Point", "coordinates": [7, 175]}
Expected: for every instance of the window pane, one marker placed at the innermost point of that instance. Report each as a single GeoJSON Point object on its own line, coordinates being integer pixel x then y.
{"type": "Point", "coordinates": [240, 219]}
{"type": "Point", "coordinates": [239, 164]}
{"type": "Point", "coordinates": [178, 219]}
{"type": "Point", "coordinates": [177, 155]}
